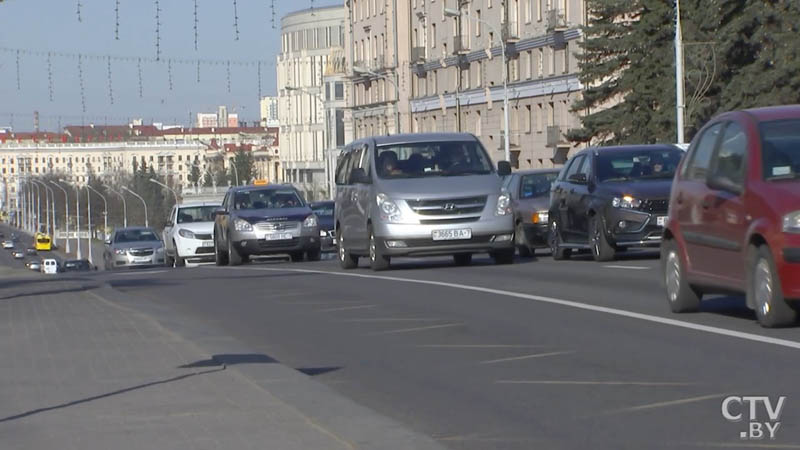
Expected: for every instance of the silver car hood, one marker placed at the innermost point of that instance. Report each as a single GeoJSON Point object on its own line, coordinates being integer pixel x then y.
{"type": "Point", "coordinates": [137, 244]}
{"type": "Point", "coordinates": [441, 187]}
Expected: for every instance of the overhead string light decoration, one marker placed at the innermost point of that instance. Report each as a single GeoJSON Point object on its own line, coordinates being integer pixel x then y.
{"type": "Point", "coordinates": [259, 80]}
{"type": "Point", "coordinates": [139, 70]}
{"type": "Point", "coordinates": [228, 74]}
{"type": "Point", "coordinates": [19, 85]}
{"type": "Point", "coordinates": [198, 71]}
{"type": "Point", "coordinates": [272, 7]}
{"type": "Point", "coordinates": [196, 21]}
{"type": "Point", "coordinates": [78, 11]}
{"type": "Point", "coordinates": [116, 18]}
{"type": "Point", "coordinates": [158, 31]}
{"type": "Point", "coordinates": [110, 85]}
{"type": "Point", "coordinates": [235, 21]}
{"type": "Point", "coordinates": [50, 76]}
{"type": "Point", "coordinates": [80, 80]}
{"type": "Point", "coordinates": [169, 73]}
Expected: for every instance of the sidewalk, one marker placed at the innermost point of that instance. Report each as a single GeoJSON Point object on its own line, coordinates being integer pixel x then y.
{"type": "Point", "coordinates": [78, 372]}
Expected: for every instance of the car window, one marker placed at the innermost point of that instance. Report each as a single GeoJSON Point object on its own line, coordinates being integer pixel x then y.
{"type": "Point", "coordinates": [638, 164]}
{"type": "Point", "coordinates": [697, 168]}
{"type": "Point", "coordinates": [196, 214]}
{"type": "Point", "coordinates": [730, 158]}
{"type": "Point", "coordinates": [780, 149]}
{"type": "Point", "coordinates": [342, 172]}
{"type": "Point", "coordinates": [536, 185]}
{"type": "Point", "coordinates": [574, 166]}
{"type": "Point", "coordinates": [353, 162]}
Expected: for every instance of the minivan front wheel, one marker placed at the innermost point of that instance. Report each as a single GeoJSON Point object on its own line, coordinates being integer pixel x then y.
{"type": "Point", "coordinates": [346, 260]}
{"type": "Point", "coordinates": [377, 260]}
{"type": "Point", "coordinates": [764, 290]}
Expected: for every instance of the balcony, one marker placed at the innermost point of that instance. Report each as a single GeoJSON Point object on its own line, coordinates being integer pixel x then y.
{"type": "Point", "coordinates": [510, 32]}
{"type": "Point", "coordinates": [418, 55]}
{"type": "Point", "coordinates": [460, 45]}
{"type": "Point", "coordinates": [556, 21]}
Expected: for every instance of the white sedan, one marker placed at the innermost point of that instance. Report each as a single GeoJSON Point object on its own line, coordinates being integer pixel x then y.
{"type": "Point", "coordinates": [8, 245]}
{"type": "Point", "coordinates": [188, 234]}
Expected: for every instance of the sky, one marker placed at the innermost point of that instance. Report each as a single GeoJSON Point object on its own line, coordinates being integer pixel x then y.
{"type": "Point", "coordinates": [52, 26]}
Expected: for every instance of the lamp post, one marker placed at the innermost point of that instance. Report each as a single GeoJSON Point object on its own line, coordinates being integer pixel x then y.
{"type": "Point", "coordinates": [125, 188]}
{"type": "Point", "coordinates": [679, 85]}
{"type": "Point", "coordinates": [105, 209]}
{"type": "Point", "coordinates": [89, 223]}
{"type": "Point", "coordinates": [365, 71]}
{"type": "Point", "coordinates": [49, 202]}
{"type": "Point", "coordinates": [66, 211]}
{"type": "Point", "coordinates": [37, 221]}
{"type": "Point", "coordinates": [235, 170]}
{"type": "Point", "coordinates": [77, 220]}
{"type": "Point", "coordinates": [450, 12]}
{"type": "Point", "coordinates": [175, 194]}
{"type": "Point", "coordinates": [124, 207]}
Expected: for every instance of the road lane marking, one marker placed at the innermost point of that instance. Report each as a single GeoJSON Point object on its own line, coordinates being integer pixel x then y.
{"type": "Point", "coordinates": [666, 403]}
{"type": "Point", "coordinates": [615, 266]}
{"type": "Point", "coordinates": [556, 301]}
{"type": "Point", "coordinates": [519, 358]}
{"type": "Point", "coordinates": [478, 346]}
{"type": "Point", "coordinates": [327, 303]}
{"type": "Point", "coordinates": [347, 308]}
{"type": "Point", "coordinates": [410, 330]}
{"type": "Point", "coordinates": [139, 273]}
{"type": "Point", "coordinates": [594, 383]}
{"type": "Point", "coordinates": [392, 319]}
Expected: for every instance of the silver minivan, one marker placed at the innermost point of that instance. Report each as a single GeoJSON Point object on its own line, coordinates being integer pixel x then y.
{"type": "Point", "coordinates": [421, 195]}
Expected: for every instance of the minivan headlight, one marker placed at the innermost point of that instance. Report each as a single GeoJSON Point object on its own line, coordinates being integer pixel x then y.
{"type": "Point", "coordinates": [503, 204]}
{"type": "Point", "coordinates": [389, 209]}
{"type": "Point", "coordinates": [626, 202]}
{"type": "Point", "coordinates": [310, 222]}
{"type": "Point", "coordinates": [791, 222]}
{"type": "Point", "coordinates": [540, 217]}
{"type": "Point", "coordinates": [242, 225]}
{"type": "Point", "coordinates": [183, 232]}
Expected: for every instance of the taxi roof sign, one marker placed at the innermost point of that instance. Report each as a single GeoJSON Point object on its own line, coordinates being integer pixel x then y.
{"type": "Point", "coordinates": [262, 182]}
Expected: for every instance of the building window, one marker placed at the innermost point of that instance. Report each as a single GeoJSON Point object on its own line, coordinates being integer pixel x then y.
{"type": "Point", "coordinates": [528, 119]}
{"type": "Point", "coordinates": [478, 124]}
{"type": "Point", "coordinates": [566, 57]}
{"type": "Point", "coordinates": [540, 62]}
{"type": "Point", "coordinates": [433, 35]}
{"type": "Point", "coordinates": [478, 24]}
{"type": "Point", "coordinates": [528, 10]}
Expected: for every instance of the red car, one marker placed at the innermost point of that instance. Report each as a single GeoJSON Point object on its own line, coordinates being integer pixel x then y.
{"type": "Point", "coordinates": [734, 215]}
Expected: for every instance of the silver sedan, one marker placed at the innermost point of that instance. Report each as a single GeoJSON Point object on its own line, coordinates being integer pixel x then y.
{"type": "Point", "coordinates": [133, 247]}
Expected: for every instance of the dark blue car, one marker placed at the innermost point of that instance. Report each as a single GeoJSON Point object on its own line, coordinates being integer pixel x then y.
{"type": "Point", "coordinates": [324, 212]}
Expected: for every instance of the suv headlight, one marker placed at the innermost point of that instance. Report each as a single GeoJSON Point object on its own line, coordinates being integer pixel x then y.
{"type": "Point", "coordinates": [791, 222]}
{"type": "Point", "coordinates": [626, 202]}
{"type": "Point", "coordinates": [186, 233]}
{"type": "Point", "coordinates": [310, 222]}
{"type": "Point", "coordinates": [389, 209]}
{"type": "Point", "coordinates": [503, 204]}
{"type": "Point", "coordinates": [242, 225]}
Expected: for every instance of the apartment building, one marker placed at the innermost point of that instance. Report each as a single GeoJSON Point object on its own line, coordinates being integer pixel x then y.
{"type": "Point", "coordinates": [308, 38]}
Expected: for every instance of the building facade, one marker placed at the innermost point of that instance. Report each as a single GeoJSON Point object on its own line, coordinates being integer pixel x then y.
{"type": "Point", "coordinates": [307, 39]}
{"type": "Point", "coordinates": [269, 112]}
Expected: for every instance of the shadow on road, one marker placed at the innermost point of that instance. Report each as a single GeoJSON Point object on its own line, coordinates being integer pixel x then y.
{"type": "Point", "coordinates": [49, 292]}
{"type": "Point", "coordinates": [231, 360]}
{"type": "Point", "coordinates": [730, 305]}
{"type": "Point", "coordinates": [314, 371]}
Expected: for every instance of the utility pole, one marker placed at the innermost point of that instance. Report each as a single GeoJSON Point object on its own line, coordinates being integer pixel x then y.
{"type": "Point", "coordinates": [679, 84]}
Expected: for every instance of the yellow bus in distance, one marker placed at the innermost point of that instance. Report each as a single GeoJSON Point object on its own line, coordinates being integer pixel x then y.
{"type": "Point", "coordinates": [43, 242]}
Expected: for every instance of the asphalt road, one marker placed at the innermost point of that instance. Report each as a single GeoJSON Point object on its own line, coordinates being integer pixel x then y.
{"type": "Point", "coordinates": [540, 354]}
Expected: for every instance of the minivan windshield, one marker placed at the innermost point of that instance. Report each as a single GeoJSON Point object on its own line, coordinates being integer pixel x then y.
{"type": "Point", "coordinates": [267, 199]}
{"type": "Point", "coordinates": [781, 149]}
{"type": "Point", "coordinates": [431, 159]}
{"type": "Point", "coordinates": [637, 164]}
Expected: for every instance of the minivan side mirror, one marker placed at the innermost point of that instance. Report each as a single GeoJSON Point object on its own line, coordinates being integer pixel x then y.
{"type": "Point", "coordinates": [579, 178]}
{"type": "Point", "coordinates": [359, 176]}
{"type": "Point", "coordinates": [723, 183]}
{"type": "Point", "coordinates": [503, 168]}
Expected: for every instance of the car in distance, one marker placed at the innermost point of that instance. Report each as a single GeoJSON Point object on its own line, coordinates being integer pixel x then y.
{"type": "Point", "coordinates": [34, 265]}
{"type": "Point", "coordinates": [8, 244]}
{"type": "Point", "coordinates": [265, 220]}
{"type": "Point", "coordinates": [133, 247]}
{"type": "Point", "coordinates": [50, 266]}
{"type": "Point", "coordinates": [78, 265]}
{"type": "Point", "coordinates": [188, 234]}
{"type": "Point", "coordinates": [18, 254]}
{"type": "Point", "coordinates": [327, 234]}
{"type": "Point", "coordinates": [734, 222]}
{"type": "Point", "coordinates": [609, 199]}
{"type": "Point", "coordinates": [421, 195]}
{"type": "Point", "coordinates": [530, 201]}
{"type": "Point", "coordinates": [30, 251]}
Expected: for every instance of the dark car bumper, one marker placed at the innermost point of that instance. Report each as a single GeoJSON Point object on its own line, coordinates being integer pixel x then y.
{"type": "Point", "coordinates": [629, 228]}
{"type": "Point", "coordinates": [257, 247]}
{"type": "Point", "coordinates": [328, 241]}
{"type": "Point", "coordinates": [536, 234]}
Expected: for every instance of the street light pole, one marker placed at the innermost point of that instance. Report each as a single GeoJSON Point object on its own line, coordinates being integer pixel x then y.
{"type": "Point", "coordinates": [125, 188]}
{"type": "Point", "coordinates": [153, 180]}
{"type": "Point", "coordinates": [105, 209]}
{"type": "Point", "coordinates": [124, 207]}
{"type": "Point", "coordinates": [450, 12]}
{"type": "Point", "coordinates": [89, 222]}
{"type": "Point", "coordinates": [37, 221]}
{"type": "Point", "coordinates": [77, 220]}
{"type": "Point", "coordinates": [66, 211]}
{"type": "Point", "coordinates": [679, 85]}
{"type": "Point", "coordinates": [365, 71]}
{"type": "Point", "coordinates": [47, 203]}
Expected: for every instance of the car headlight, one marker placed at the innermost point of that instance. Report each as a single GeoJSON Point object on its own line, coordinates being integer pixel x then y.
{"type": "Point", "coordinates": [503, 204]}
{"type": "Point", "coordinates": [120, 251]}
{"type": "Point", "coordinates": [160, 250]}
{"type": "Point", "coordinates": [242, 225]}
{"type": "Point", "coordinates": [311, 221]}
{"type": "Point", "coordinates": [540, 217]}
{"type": "Point", "coordinates": [186, 233]}
{"type": "Point", "coordinates": [626, 202]}
{"type": "Point", "coordinates": [389, 209]}
{"type": "Point", "coordinates": [791, 222]}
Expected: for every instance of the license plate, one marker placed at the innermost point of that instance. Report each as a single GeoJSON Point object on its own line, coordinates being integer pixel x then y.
{"type": "Point", "coordinates": [451, 235]}
{"type": "Point", "coordinates": [661, 221]}
{"type": "Point", "coordinates": [141, 259]}
{"type": "Point", "coordinates": [208, 244]}
{"type": "Point", "coordinates": [278, 236]}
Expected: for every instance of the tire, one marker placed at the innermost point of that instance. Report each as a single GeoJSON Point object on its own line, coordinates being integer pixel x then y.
{"type": "Point", "coordinates": [314, 254]}
{"type": "Point", "coordinates": [177, 261]}
{"type": "Point", "coordinates": [554, 237]}
{"type": "Point", "coordinates": [523, 248]}
{"type": "Point", "coordinates": [503, 257]}
{"type": "Point", "coordinates": [764, 290]}
{"type": "Point", "coordinates": [377, 260]}
{"type": "Point", "coordinates": [220, 257]}
{"type": "Point", "coordinates": [598, 242]}
{"type": "Point", "coordinates": [296, 256]}
{"type": "Point", "coordinates": [169, 261]}
{"type": "Point", "coordinates": [346, 260]}
{"type": "Point", "coordinates": [681, 296]}
{"type": "Point", "coordinates": [462, 259]}
{"type": "Point", "coordinates": [234, 257]}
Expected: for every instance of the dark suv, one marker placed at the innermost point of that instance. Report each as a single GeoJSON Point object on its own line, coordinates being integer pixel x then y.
{"type": "Point", "coordinates": [264, 220]}
{"type": "Point", "coordinates": [734, 222]}
{"type": "Point", "coordinates": [612, 198]}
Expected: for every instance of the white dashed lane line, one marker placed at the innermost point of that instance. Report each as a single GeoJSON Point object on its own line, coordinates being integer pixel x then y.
{"type": "Point", "coordinates": [616, 266]}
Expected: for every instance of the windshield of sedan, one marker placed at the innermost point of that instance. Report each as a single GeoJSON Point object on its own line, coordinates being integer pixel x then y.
{"type": "Point", "coordinates": [136, 236]}
{"type": "Point", "coordinates": [637, 164]}
{"type": "Point", "coordinates": [781, 149]}
{"type": "Point", "coordinates": [431, 159]}
{"type": "Point", "coordinates": [196, 214]}
{"type": "Point", "coordinates": [536, 185]}
{"type": "Point", "coordinates": [267, 199]}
